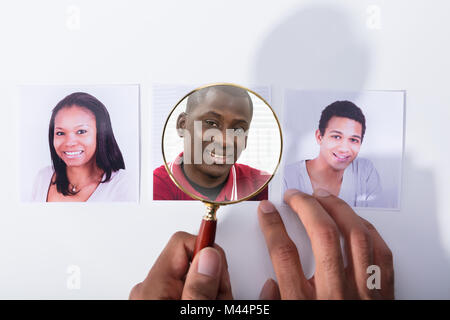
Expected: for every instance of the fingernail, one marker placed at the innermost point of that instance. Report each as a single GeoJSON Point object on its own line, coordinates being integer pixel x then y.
{"type": "Point", "coordinates": [267, 206]}
{"type": "Point", "coordinates": [208, 262]}
{"type": "Point", "coordinates": [321, 193]}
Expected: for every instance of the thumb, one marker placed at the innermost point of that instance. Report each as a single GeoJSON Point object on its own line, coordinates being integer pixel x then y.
{"type": "Point", "coordinates": [203, 278]}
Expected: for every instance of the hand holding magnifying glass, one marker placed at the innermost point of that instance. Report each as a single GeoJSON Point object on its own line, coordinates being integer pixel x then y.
{"type": "Point", "coordinates": [175, 276]}
{"type": "Point", "coordinates": [230, 147]}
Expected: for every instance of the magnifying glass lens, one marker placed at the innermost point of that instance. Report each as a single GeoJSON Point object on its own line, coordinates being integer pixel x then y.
{"type": "Point", "coordinates": [222, 144]}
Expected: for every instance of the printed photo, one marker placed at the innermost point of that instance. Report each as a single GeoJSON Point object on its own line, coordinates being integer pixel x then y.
{"type": "Point", "coordinates": [349, 144]}
{"type": "Point", "coordinates": [79, 143]}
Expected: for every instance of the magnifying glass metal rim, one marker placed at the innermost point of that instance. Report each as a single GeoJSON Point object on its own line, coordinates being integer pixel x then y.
{"type": "Point", "coordinates": [211, 202]}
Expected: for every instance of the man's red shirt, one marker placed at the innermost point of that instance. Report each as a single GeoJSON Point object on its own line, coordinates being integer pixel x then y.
{"type": "Point", "coordinates": [241, 182]}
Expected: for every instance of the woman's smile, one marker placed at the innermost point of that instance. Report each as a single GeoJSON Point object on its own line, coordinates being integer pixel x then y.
{"type": "Point", "coordinates": [73, 154]}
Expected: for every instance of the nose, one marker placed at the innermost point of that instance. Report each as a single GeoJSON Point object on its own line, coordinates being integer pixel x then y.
{"type": "Point", "coordinates": [71, 140]}
{"type": "Point", "coordinates": [344, 146]}
{"type": "Point", "coordinates": [225, 138]}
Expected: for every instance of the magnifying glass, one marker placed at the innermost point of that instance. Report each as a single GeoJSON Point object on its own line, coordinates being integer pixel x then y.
{"type": "Point", "coordinates": [221, 144]}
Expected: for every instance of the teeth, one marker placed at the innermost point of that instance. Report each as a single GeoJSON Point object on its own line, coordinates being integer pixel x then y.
{"type": "Point", "coordinates": [73, 153]}
{"type": "Point", "coordinates": [341, 157]}
{"type": "Point", "coordinates": [216, 155]}
{"type": "Point", "coordinates": [220, 159]}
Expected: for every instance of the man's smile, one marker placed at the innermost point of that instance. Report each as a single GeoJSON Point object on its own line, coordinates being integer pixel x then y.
{"type": "Point", "coordinates": [221, 158]}
{"type": "Point", "coordinates": [341, 158]}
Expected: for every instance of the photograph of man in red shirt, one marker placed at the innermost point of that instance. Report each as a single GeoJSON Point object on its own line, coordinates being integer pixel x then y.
{"type": "Point", "coordinates": [214, 127]}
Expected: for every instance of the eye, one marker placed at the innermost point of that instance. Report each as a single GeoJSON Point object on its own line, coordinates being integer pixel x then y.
{"type": "Point", "coordinates": [353, 140]}
{"type": "Point", "coordinates": [211, 123]}
{"type": "Point", "coordinates": [81, 131]}
{"type": "Point", "coordinates": [239, 131]}
{"type": "Point", "coordinates": [336, 137]}
{"type": "Point", "coordinates": [59, 133]}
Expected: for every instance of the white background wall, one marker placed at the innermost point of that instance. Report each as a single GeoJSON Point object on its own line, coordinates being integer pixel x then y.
{"type": "Point", "coordinates": [328, 45]}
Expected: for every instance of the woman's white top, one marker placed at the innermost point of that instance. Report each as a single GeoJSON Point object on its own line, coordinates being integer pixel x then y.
{"type": "Point", "coordinates": [360, 186]}
{"type": "Point", "coordinates": [119, 188]}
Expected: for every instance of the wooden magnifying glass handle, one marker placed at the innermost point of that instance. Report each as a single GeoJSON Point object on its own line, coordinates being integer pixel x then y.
{"type": "Point", "coordinates": [207, 233]}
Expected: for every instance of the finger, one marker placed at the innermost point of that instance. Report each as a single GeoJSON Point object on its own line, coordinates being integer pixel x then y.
{"type": "Point", "coordinates": [270, 291]}
{"type": "Point", "coordinates": [225, 292]}
{"type": "Point", "coordinates": [329, 277]}
{"type": "Point", "coordinates": [204, 276]}
{"type": "Point", "coordinates": [283, 253]}
{"type": "Point", "coordinates": [384, 259]}
{"type": "Point", "coordinates": [358, 239]}
{"type": "Point", "coordinates": [166, 278]}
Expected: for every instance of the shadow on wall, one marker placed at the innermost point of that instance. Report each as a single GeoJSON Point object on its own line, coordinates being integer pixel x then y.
{"type": "Point", "coordinates": [316, 47]}
{"type": "Point", "coordinates": [421, 262]}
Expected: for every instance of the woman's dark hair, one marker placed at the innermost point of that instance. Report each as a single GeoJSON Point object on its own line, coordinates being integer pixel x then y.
{"type": "Point", "coordinates": [107, 154]}
{"type": "Point", "coordinates": [344, 109]}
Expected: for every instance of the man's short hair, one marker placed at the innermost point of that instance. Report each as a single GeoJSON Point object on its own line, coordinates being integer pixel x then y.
{"type": "Point", "coordinates": [344, 109]}
{"type": "Point", "coordinates": [197, 97]}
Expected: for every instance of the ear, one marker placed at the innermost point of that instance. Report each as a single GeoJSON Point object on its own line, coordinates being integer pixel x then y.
{"type": "Point", "coordinates": [181, 124]}
{"type": "Point", "coordinates": [318, 137]}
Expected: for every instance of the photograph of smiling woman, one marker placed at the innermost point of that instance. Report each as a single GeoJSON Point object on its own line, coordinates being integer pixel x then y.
{"type": "Point", "coordinates": [83, 149]}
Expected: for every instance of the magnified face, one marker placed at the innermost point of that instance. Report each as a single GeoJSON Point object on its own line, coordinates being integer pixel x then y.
{"type": "Point", "coordinates": [218, 122]}
{"type": "Point", "coordinates": [231, 143]}
{"type": "Point", "coordinates": [75, 137]}
{"type": "Point", "coordinates": [341, 142]}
